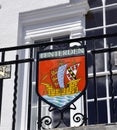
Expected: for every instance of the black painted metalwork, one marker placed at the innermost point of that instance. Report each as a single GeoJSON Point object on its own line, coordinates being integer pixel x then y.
{"type": "Point", "coordinates": [48, 121]}
{"type": "Point", "coordinates": [15, 94]}
{"type": "Point", "coordinates": [1, 84]}
{"type": "Point", "coordinates": [30, 90]}
{"type": "Point", "coordinates": [80, 118]}
{"type": "Point", "coordinates": [113, 108]}
{"type": "Point", "coordinates": [95, 84]}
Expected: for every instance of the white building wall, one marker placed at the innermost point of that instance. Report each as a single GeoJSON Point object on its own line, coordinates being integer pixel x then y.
{"type": "Point", "coordinates": [10, 36]}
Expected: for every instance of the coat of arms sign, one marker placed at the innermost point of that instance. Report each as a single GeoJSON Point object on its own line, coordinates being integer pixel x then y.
{"type": "Point", "coordinates": [61, 76]}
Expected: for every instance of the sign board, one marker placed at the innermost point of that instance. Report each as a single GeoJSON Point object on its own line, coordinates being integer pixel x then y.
{"type": "Point", "coordinates": [61, 76]}
{"type": "Point", "coordinates": [5, 71]}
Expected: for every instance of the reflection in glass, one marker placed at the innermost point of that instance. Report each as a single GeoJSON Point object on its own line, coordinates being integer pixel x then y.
{"type": "Point", "coordinates": [112, 40]}
{"type": "Point", "coordinates": [91, 113]}
{"type": "Point", "coordinates": [111, 110]}
{"type": "Point", "coordinates": [101, 88]}
{"type": "Point", "coordinates": [99, 62]}
{"type": "Point", "coordinates": [94, 18]}
{"type": "Point", "coordinates": [102, 112]}
{"type": "Point", "coordinates": [61, 46]}
{"type": "Point", "coordinates": [111, 15]}
{"type": "Point", "coordinates": [90, 88]}
{"type": "Point", "coordinates": [94, 3]}
{"type": "Point", "coordinates": [113, 56]}
{"type": "Point", "coordinates": [114, 77]}
{"type": "Point", "coordinates": [111, 1]}
{"type": "Point", "coordinates": [94, 32]}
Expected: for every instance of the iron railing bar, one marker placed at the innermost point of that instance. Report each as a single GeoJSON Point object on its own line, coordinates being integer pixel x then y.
{"type": "Point", "coordinates": [103, 50]}
{"type": "Point", "coordinates": [57, 42]}
{"type": "Point", "coordinates": [30, 90]}
{"type": "Point", "coordinates": [15, 94]}
{"type": "Point", "coordinates": [18, 61]}
{"type": "Point", "coordinates": [1, 85]}
{"type": "Point", "coordinates": [112, 86]}
{"type": "Point", "coordinates": [39, 114]}
{"type": "Point", "coordinates": [95, 84]}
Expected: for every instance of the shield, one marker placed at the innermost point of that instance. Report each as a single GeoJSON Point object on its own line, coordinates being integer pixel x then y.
{"type": "Point", "coordinates": [61, 76]}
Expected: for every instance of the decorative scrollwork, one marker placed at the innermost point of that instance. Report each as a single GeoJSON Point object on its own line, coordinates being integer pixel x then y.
{"type": "Point", "coordinates": [46, 121]}
{"type": "Point", "coordinates": [79, 118]}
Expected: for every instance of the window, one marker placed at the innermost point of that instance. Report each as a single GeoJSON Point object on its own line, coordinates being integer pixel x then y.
{"type": "Point", "coordinates": [45, 112]}
{"type": "Point", "coordinates": [101, 19]}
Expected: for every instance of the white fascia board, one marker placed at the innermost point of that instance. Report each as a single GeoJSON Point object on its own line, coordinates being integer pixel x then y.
{"type": "Point", "coordinates": [54, 13]}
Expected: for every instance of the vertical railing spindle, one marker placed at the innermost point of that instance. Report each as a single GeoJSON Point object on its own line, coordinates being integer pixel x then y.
{"type": "Point", "coordinates": [15, 94]}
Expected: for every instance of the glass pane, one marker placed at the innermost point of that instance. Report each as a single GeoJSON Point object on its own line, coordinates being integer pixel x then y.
{"type": "Point", "coordinates": [94, 32]}
{"type": "Point", "coordinates": [101, 87]}
{"type": "Point", "coordinates": [91, 113]}
{"type": "Point", "coordinates": [99, 62]}
{"type": "Point", "coordinates": [90, 88]}
{"type": "Point", "coordinates": [111, 1]}
{"type": "Point", "coordinates": [94, 3]}
{"type": "Point", "coordinates": [113, 61]}
{"type": "Point", "coordinates": [114, 84]}
{"type": "Point", "coordinates": [111, 110]}
{"type": "Point", "coordinates": [63, 45]}
{"type": "Point", "coordinates": [113, 40]}
{"type": "Point", "coordinates": [57, 117]}
{"type": "Point", "coordinates": [111, 15]}
{"type": "Point", "coordinates": [94, 18]}
{"type": "Point", "coordinates": [90, 64]}
{"type": "Point", "coordinates": [102, 112]}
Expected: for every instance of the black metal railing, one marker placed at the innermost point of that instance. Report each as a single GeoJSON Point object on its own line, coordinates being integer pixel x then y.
{"type": "Point", "coordinates": [83, 117]}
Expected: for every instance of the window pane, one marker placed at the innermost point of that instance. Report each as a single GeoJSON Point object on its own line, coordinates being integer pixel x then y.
{"type": "Point", "coordinates": [95, 3]}
{"type": "Point", "coordinates": [101, 87]}
{"type": "Point", "coordinates": [63, 45]}
{"type": "Point", "coordinates": [114, 85]}
{"type": "Point", "coordinates": [90, 64]}
{"type": "Point", "coordinates": [94, 18]}
{"type": "Point", "coordinates": [111, 1]}
{"type": "Point", "coordinates": [113, 61]}
{"type": "Point", "coordinates": [90, 89]}
{"type": "Point", "coordinates": [111, 15]}
{"type": "Point", "coordinates": [102, 112]}
{"type": "Point", "coordinates": [91, 113]}
{"type": "Point", "coordinates": [113, 40]}
{"type": "Point", "coordinates": [57, 118]}
{"type": "Point", "coordinates": [99, 62]}
{"type": "Point", "coordinates": [94, 32]}
{"type": "Point", "coordinates": [111, 110]}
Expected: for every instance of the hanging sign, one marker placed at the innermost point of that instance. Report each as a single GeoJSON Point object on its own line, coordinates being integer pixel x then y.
{"type": "Point", "coordinates": [61, 76]}
{"type": "Point", "coordinates": [5, 71]}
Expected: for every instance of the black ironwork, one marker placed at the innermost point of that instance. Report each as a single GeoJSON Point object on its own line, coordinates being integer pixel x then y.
{"type": "Point", "coordinates": [48, 121]}
{"type": "Point", "coordinates": [95, 84]}
{"type": "Point", "coordinates": [80, 118]}
{"type": "Point", "coordinates": [1, 85]}
{"type": "Point", "coordinates": [30, 89]}
{"type": "Point", "coordinates": [15, 94]}
{"type": "Point", "coordinates": [113, 108]}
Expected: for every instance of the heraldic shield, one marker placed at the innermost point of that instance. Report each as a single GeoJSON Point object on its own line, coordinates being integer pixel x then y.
{"type": "Point", "coordinates": [61, 76]}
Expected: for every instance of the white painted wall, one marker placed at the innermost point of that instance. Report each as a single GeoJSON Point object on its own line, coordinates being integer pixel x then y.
{"type": "Point", "coordinates": [9, 16]}
{"type": "Point", "coordinates": [11, 31]}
